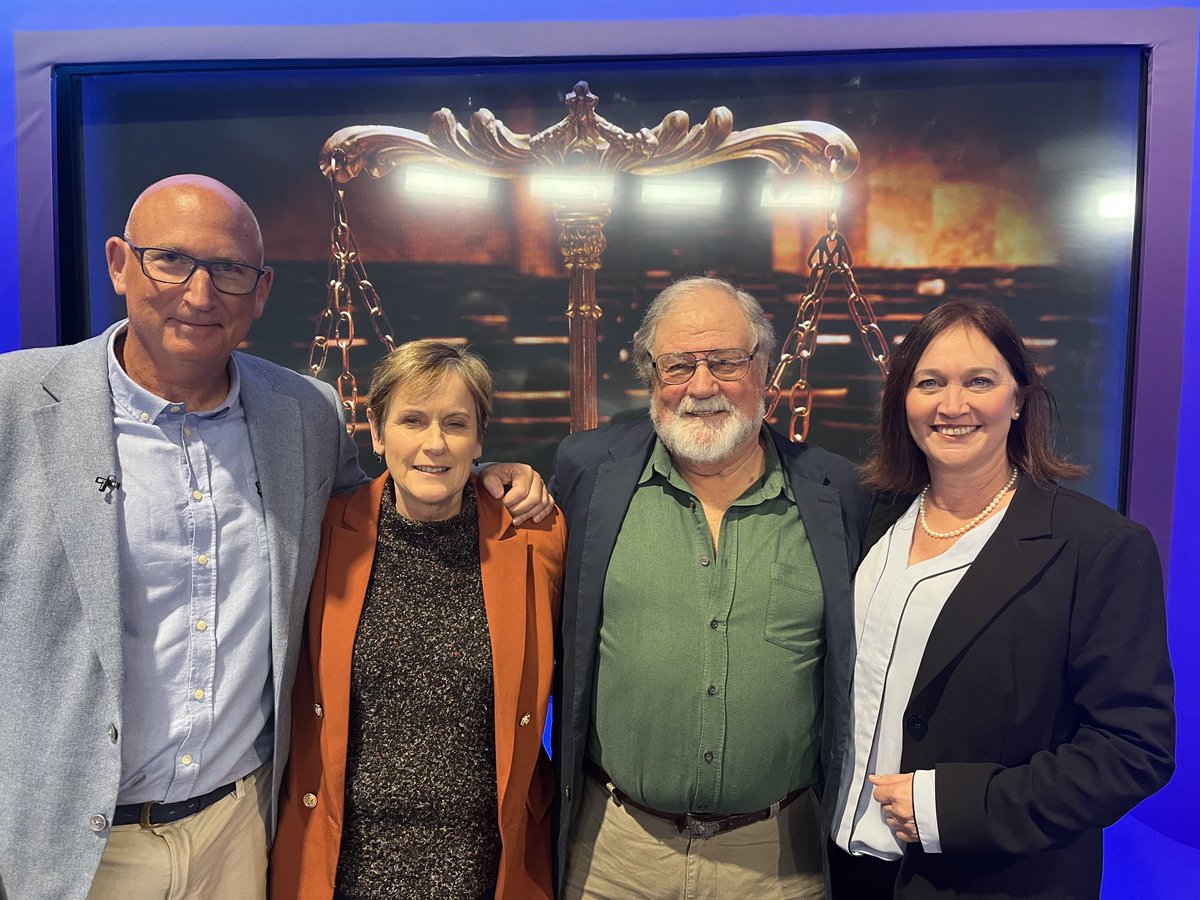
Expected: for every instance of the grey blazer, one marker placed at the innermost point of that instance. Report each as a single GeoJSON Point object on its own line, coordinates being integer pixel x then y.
{"type": "Point", "coordinates": [61, 666]}
{"type": "Point", "coordinates": [595, 475]}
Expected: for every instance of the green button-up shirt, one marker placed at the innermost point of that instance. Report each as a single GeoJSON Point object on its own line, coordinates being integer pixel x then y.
{"type": "Point", "coordinates": [708, 675]}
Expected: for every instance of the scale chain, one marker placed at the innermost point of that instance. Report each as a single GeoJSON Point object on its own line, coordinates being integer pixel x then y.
{"type": "Point", "coordinates": [830, 256]}
{"type": "Point", "coordinates": [336, 322]}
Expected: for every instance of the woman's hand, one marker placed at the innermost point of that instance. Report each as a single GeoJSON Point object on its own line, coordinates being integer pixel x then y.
{"type": "Point", "coordinates": [894, 794]}
{"type": "Point", "coordinates": [526, 497]}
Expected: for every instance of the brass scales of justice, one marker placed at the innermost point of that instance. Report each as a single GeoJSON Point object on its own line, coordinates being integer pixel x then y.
{"type": "Point", "coordinates": [585, 144]}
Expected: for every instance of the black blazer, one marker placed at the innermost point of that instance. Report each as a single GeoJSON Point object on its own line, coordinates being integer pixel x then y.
{"type": "Point", "coordinates": [1044, 700]}
{"type": "Point", "coordinates": [595, 475]}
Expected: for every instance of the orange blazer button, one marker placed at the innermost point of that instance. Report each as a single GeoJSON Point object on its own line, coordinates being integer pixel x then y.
{"type": "Point", "coordinates": [524, 720]}
{"type": "Point", "coordinates": [310, 800]}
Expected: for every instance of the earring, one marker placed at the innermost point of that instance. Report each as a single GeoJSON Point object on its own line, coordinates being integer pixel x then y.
{"type": "Point", "coordinates": [1016, 415]}
{"type": "Point", "coordinates": [378, 458]}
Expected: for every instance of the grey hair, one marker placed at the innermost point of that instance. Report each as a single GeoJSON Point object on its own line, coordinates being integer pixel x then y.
{"type": "Point", "coordinates": [643, 339]}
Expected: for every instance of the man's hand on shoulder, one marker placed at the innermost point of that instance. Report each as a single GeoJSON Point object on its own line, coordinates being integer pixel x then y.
{"type": "Point", "coordinates": [524, 493]}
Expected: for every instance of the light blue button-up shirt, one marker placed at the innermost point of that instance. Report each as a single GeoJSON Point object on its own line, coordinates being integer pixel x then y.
{"type": "Point", "coordinates": [196, 594]}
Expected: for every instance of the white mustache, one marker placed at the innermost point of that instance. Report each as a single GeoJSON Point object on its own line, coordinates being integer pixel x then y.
{"type": "Point", "coordinates": [716, 403]}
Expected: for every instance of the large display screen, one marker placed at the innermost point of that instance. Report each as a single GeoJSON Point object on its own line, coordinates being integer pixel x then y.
{"type": "Point", "coordinates": [1008, 175]}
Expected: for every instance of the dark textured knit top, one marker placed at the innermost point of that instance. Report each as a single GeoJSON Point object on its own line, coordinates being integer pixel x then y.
{"type": "Point", "coordinates": [421, 814]}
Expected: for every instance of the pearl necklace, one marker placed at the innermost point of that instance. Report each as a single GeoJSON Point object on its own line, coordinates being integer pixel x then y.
{"type": "Point", "coordinates": [987, 511]}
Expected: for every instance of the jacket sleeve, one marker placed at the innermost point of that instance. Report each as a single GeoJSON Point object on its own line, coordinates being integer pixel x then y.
{"type": "Point", "coordinates": [1119, 677]}
{"type": "Point", "coordinates": [348, 474]}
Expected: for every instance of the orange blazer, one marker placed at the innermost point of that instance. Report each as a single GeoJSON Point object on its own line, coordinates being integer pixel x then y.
{"type": "Point", "coordinates": [522, 587]}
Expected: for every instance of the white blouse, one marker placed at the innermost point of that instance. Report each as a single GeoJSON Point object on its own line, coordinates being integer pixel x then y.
{"type": "Point", "coordinates": [895, 608]}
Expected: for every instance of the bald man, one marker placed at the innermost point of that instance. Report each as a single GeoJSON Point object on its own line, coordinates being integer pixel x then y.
{"type": "Point", "coordinates": [163, 496]}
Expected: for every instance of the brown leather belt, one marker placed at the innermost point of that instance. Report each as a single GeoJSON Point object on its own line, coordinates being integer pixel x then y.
{"type": "Point", "coordinates": [696, 826]}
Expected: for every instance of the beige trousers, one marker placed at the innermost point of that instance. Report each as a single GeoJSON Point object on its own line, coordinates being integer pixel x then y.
{"type": "Point", "coordinates": [220, 852]}
{"type": "Point", "coordinates": [620, 853]}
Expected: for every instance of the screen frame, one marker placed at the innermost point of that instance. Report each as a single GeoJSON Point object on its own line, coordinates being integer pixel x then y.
{"type": "Point", "coordinates": [1169, 36]}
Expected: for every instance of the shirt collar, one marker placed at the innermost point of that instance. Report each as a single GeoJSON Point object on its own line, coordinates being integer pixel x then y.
{"type": "Point", "coordinates": [661, 468]}
{"type": "Point", "coordinates": [135, 402]}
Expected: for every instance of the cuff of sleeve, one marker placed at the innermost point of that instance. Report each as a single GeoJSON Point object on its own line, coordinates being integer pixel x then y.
{"type": "Point", "coordinates": [925, 810]}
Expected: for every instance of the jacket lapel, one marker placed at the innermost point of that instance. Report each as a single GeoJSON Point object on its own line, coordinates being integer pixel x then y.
{"type": "Point", "coordinates": [612, 491]}
{"type": "Point", "coordinates": [333, 627]}
{"type": "Point", "coordinates": [503, 555]}
{"type": "Point", "coordinates": [75, 437]}
{"type": "Point", "coordinates": [273, 422]}
{"type": "Point", "coordinates": [1015, 555]}
{"type": "Point", "coordinates": [820, 508]}
{"type": "Point", "coordinates": [821, 512]}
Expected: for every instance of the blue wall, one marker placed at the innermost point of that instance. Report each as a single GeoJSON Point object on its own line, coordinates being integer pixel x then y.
{"type": "Point", "coordinates": [1154, 853]}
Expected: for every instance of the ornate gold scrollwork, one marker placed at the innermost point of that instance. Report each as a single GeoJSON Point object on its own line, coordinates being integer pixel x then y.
{"type": "Point", "coordinates": [582, 143]}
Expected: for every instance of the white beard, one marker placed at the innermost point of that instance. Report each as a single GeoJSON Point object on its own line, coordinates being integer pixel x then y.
{"type": "Point", "coordinates": [702, 441]}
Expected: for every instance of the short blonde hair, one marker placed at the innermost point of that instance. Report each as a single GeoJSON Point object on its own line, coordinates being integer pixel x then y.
{"type": "Point", "coordinates": [419, 366]}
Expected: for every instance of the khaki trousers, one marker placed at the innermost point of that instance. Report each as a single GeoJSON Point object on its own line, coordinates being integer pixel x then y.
{"type": "Point", "coordinates": [620, 853]}
{"type": "Point", "coordinates": [220, 852]}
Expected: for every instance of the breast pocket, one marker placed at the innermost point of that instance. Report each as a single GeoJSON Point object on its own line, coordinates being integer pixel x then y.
{"type": "Point", "coordinates": [795, 610]}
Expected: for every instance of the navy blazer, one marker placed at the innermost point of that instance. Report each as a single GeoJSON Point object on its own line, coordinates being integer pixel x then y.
{"type": "Point", "coordinates": [595, 475]}
{"type": "Point", "coordinates": [1044, 700]}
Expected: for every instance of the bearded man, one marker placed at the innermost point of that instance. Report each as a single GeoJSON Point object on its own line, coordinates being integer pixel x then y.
{"type": "Point", "coordinates": [708, 567]}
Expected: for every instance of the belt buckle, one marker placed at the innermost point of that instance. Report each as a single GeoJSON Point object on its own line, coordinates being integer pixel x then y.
{"type": "Point", "coordinates": [144, 819]}
{"type": "Point", "coordinates": [700, 827]}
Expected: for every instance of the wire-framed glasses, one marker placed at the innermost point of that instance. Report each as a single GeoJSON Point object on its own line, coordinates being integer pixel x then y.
{"type": "Point", "coordinates": [724, 365]}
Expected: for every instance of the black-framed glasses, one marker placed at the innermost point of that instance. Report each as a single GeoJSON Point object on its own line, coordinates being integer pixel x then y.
{"type": "Point", "coordinates": [172, 267]}
{"type": "Point", "coordinates": [724, 365]}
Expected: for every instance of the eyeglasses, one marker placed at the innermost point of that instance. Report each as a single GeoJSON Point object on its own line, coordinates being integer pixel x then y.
{"type": "Point", "coordinates": [173, 267]}
{"type": "Point", "coordinates": [724, 365]}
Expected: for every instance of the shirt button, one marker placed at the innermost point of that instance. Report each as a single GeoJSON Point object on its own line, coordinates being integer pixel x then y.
{"type": "Point", "coordinates": [714, 624]}
{"type": "Point", "coordinates": [317, 709]}
{"type": "Point", "coordinates": [145, 417]}
{"type": "Point", "coordinates": [112, 733]}
{"type": "Point", "coordinates": [202, 559]}
{"type": "Point", "coordinates": [186, 759]}
{"type": "Point", "coordinates": [310, 800]}
{"type": "Point", "coordinates": [187, 432]}
{"type": "Point", "coordinates": [174, 409]}
{"type": "Point", "coordinates": [524, 720]}
{"type": "Point", "coordinates": [198, 694]}
{"type": "Point", "coordinates": [708, 756]}
{"type": "Point", "coordinates": [201, 625]}
{"type": "Point", "coordinates": [704, 560]}
{"type": "Point", "coordinates": [712, 690]}
{"type": "Point", "coordinates": [567, 792]}
{"type": "Point", "coordinates": [98, 822]}
{"type": "Point", "coordinates": [197, 495]}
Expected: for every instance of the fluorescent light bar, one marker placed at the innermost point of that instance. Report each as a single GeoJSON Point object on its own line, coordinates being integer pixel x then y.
{"type": "Point", "coordinates": [446, 183]}
{"type": "Point", "coordinates": [800, 196]}
{"type": "Point", "coordinates": [676, 192]}
{"type": "Point", "coordinates": [567, 188]}
{"type": "Point", "coordinates": [1116, 205]}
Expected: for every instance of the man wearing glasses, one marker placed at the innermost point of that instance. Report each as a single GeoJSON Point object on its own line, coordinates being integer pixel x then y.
{"type": "Point", "coordinates": [164, 498]}
{"type": "Point", "coordinates": [708, 566]}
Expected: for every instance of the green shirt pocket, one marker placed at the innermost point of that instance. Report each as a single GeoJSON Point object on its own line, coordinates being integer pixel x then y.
{"type": "Point", "coordinates": [795, 610]}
